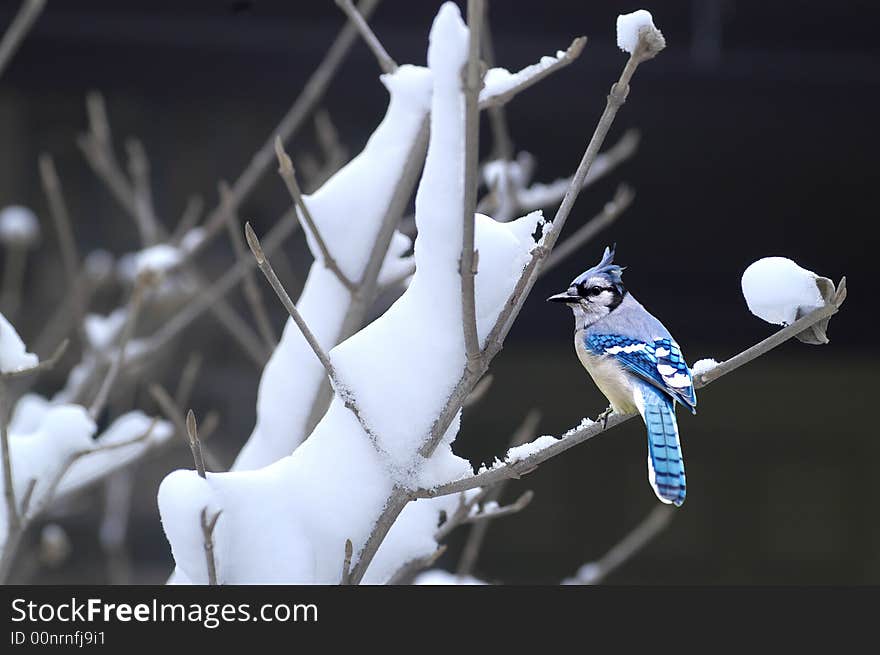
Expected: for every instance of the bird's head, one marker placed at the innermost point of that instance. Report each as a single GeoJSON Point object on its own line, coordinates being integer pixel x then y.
{"type": "Point", "coordinates": [596, 292]}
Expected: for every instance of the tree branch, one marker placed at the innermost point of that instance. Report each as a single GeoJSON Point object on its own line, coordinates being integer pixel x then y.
{"type": "Point", "coordinates": [386, 63]}
{"type": "Point", "coordinates": [572, 53]}
{"type": "Point", "coordinates": [468, 263]}
{"type": "Point", "coordinates": [623, 198]}
{"type": "Point", "coordinates": [249, 285]}
{"type": "Point", "coordinates": [192, 432]}
{"type": "Point", "coordinates": [27, 15]}
{"type": "Point", "coordinates": [208, 535]}
{"type": "Point", "coordinates": [518, 468]}
{"type": "Point", "coordinates": [648, 528]}
{"type": "Point", "coordinates": [285, 169]}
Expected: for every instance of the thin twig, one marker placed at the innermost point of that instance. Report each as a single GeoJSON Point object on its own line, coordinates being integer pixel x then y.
{"type": "Point", "coordinates": [623, 198]}
{"type": "Point", "coordinates": [266, 268]}
{"type": "Point", "coordinates": [208, 536]}
{"type": "Point", "coordinates": [139, 172]}
{"type": "Point", "coordinates": [285, 169]}
{"type": "Point", "coordinates": [209, 295]}
{"type": "Point", "coordinates": [192, 212]}
{"type": "Point", "coordinates": [469, 258]}
{"type": "Point", "coordinates": [13, 519]}
{"type": "Point", "coordinates": [44, 365]}
{"type": "Point", "coordinates": [133, 311]}
{"type": "Point", "coordinates": [503, 144]}
{"type": "Point", "coordinates": [648, 528]}
{"type": "Point", "coordinates": [249, 285]}
{"type": "Point", "coordinates": [386, 63]}
{"type": "Point", "coordinates": [64, 229]}
{"type": "Point", "coordinates": [188, 379]}
{"type": "Point", "coordinates": [346, 563]}
{"type": "Point", "coordinates": [572, 53]}
{"type": "Point", "coordinates": [192, 432]}
{"type": "Point", "coordinates": [27, 14]}
{"type": "Point", "coordinates": [406, 573]}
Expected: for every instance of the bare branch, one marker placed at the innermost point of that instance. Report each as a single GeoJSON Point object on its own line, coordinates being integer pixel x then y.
{"type": "Point", "coordinates": [139, 172]}
{"type": "Point", "coordinates": [497, 118]}
{"type": "Point", "coordinates": [346, 563]}
{"type": "Point", "coordinates": [268, 271]}
{"type": "Point", "coordinates": [488, 514]}
{"type": "Point", "coordinates": [572, 53]}
{"type": "Point", "coordinates": [648, 528]}
{"type": "Point", "coordinates": [192, 432]}
{"type": "Point", "coordinates": [188, 379]}
{"type": "Point", "coordinates": [209, 295]}
{"type": "Point", "coordinates": [25, 18]}
{"type": "Point", "coordinates": [623, 198]}
{"type": "Point", "coordinates": [469, 258]}
{"type": "Point", "coordinates": [479, 391]}
{"type": "Point", "coordinates": [64, 229]}
{"type": "Point", "coordinates": [285, 169]}
{"type": "Point", "coordinates": [408, 571]}
{"type": "Point", "coordinates": [208, 526]}
{"type": "Point", "coordinates": [251, 291]}
{"type": "Point", "coordinates": [189, 219]}
{"type": "Point", "coordinates": [13, 518]}
{"type": "Point", "coordinates": [386, 63]}
{"type": "Point", "coordinates": [134, 308]}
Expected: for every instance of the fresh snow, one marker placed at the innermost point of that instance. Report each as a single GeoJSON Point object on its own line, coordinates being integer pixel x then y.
{"type": "Point", "coordinates": [288, 521]}
{"type": "Point", "coordinates": [13, 354]}
{"type": "Point", "coordinates": [629, 26]}
{"type": "Point", "coordinates": [348, 210]}
{"type": "Point", "coordinates": [703, 366]}
{"type": "Point", "coordinates": [776, 288]}
{"type": "Point", "coordinates": [41, 454]}
{"type": "Point", "coordinates": [519, 453]}
{"type": "Point", "coordinates": [499, 81]}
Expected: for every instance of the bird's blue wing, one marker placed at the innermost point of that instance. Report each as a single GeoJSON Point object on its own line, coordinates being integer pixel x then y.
{"type": "Point", "coordinates": [659, 362]}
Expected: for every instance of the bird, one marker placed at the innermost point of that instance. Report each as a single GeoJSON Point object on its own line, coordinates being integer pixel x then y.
{"type": "Point", "coordinates": [635, 363]}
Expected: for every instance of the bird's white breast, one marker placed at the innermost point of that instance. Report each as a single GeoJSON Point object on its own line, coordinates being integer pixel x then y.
{"type": "Point", "coordinates": [611, 378]}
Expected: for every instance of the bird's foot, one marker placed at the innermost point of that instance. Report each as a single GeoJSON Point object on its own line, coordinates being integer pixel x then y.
{"type": "Point", "coordinates": [603, 417]}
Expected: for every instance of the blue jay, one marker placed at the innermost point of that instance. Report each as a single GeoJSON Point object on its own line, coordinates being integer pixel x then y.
{"type": "Point", "coordinates": [636, 363]}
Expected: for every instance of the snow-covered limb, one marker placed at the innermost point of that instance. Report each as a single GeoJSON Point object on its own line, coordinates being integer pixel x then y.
{"type": "Point", "coordinates": [58, 456]}
{"type": "Point", "coordinates": [374, 186]}
{"type": "Point", "coordinates": [546, 447]}
{"type": "Point", "coordinates": [413, 353]}
{"type": "Point", "coordinates": [500, 85]}
{"type": "Point", "coordinates": [28, 13]}
{"type": "Point", "coordinates": [443, 422]}
{"type": "Point", "coordinates": [649, 527]}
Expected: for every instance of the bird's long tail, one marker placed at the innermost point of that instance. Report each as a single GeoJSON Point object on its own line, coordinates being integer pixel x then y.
{"type": "Point", "coordinates": [665, 463]}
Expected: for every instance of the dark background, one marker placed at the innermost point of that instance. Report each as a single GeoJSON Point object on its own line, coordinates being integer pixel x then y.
{"type": "Point", "coordinates": [758, 138]}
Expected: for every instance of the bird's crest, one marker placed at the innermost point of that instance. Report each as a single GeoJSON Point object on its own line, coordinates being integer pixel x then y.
{"type": "Point", "coordinates": [605, 268]}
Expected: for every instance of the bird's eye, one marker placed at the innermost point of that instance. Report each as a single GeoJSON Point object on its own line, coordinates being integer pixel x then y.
{"type": "Point", "coordinates": [595, 291]}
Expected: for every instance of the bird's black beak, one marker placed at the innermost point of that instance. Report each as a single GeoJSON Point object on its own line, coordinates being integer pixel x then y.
{"type": "Point", "coordinates": [565, 296]}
